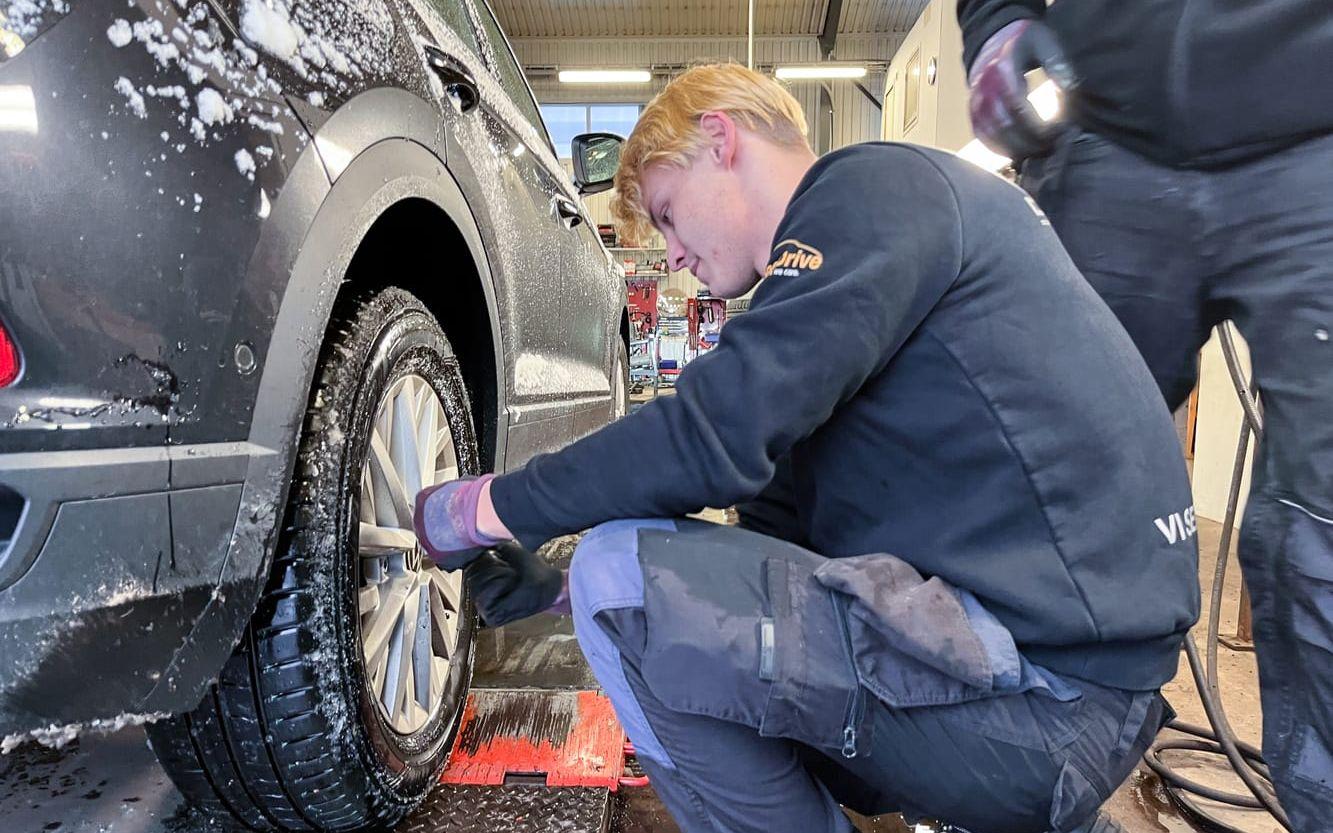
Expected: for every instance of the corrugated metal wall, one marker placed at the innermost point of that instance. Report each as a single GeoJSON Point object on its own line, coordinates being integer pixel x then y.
{"type": "Point", "coordinates": [855, 117]}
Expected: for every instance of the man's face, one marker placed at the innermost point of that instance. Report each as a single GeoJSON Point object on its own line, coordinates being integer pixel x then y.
{"type": "Point", "coordinates": [706, 221]}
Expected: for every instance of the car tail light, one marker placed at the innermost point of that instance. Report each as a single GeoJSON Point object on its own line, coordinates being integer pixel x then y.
{"type": "Point", "coordinates": [9, 358]}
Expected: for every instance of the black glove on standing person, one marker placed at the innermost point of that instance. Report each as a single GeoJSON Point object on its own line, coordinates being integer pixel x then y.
{"type": "Point", "coordinates": [1002, 117]}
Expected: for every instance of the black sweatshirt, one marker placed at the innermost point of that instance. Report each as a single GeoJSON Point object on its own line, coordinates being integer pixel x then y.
{"type": "Point", "coordinates": [1188, 83]}
{"type": "Point", "coordinates": [926, 374]}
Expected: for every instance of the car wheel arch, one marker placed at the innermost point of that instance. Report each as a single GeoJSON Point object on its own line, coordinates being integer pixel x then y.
{"type": "Point", "coordinates": [377, 183]}
{"type": "Point", "coordinates": [387, 183]}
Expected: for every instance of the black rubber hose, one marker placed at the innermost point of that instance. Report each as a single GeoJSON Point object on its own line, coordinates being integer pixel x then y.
{"type": "Point", "coordinates": [1247, 761]}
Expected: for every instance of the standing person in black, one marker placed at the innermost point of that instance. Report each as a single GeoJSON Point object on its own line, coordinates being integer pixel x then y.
{"type": "Point", "coordinates": [1191, 180]}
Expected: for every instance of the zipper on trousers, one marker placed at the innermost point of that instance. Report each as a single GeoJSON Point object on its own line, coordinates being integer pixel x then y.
{"type": "Point", "coordinates": [856, 705]}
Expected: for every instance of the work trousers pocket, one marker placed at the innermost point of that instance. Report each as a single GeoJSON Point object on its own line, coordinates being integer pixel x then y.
{"type": "Point", "coordinates": [923, 642]}
{"type": "Point", "coordinates": [739, 629]}
{"type": "Point", "coordinates": [816, 697]}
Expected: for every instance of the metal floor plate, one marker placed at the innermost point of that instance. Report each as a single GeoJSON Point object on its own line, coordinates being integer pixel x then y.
{"type": "Point", "coordinates": [463, 809]}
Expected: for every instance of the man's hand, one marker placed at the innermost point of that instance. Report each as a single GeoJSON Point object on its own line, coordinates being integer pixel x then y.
{"type": "Point", "coordinates": [445, 522]}
{"type": "Point", "coordinates": [509, 583]}
{"type": "Point", "coordinates": [1002, 117]}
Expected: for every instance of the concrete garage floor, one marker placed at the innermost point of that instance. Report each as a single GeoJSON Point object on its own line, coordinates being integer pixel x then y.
{"type": "Point", "coordinates": [112, 784]}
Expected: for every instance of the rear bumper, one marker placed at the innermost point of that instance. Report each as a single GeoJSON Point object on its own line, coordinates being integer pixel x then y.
{"type": "Point", "coordinates": [112, 559]}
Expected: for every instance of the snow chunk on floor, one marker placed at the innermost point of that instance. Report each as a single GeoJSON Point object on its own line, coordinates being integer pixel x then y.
{"type": "Point", "coordinates": [212, 108]}
{"type": "Point", "coordinates": [270, 29]}
{"type": "Point", "coordinates": [119, 33]}
{"type": "Point", "coordinates": [132, 96]}
{"type": "Point", "coordinates": [245, 163]}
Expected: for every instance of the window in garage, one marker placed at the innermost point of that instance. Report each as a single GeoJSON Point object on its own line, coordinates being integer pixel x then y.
{"type": "Point", "coordinates": [565, 121]}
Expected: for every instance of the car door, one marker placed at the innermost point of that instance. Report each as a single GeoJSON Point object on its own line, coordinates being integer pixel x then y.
{"type": "Point", "coordinates": [579, 340]}
{"type": "Point", "coordinates": [494, 148]}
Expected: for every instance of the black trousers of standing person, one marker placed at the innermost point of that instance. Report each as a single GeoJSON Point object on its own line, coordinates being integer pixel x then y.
{"type": "Point", "coordinates": [1175, 252]}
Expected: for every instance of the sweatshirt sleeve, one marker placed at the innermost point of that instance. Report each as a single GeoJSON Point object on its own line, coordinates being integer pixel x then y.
{"type": "Point", "coordinates": [869, 244]}
{"type": "Point", "coordinates": [979, 19]}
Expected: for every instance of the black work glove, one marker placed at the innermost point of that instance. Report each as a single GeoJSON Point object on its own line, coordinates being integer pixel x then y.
{"type": "Point", "coordinates": [1002, 117]}
{"type": "Point", "coordinates": [508, 583]}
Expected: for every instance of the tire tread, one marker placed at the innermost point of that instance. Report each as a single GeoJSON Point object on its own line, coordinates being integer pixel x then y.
{"type": "Point", "coordinates": [258, 748]}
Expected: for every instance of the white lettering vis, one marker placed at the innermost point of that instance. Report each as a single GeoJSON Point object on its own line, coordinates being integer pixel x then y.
{"type": "Point", "coordinates": [1178, 526]}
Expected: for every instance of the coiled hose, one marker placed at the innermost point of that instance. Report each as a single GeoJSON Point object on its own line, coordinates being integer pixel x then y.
{"type": "Point", "coordinates": [1220, 740]}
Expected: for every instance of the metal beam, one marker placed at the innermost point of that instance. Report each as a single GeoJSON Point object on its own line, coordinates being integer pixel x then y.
{"type": "Point", "coordinates": [879, 105]}
{"type": "Point", "coordinates": [828, 36]}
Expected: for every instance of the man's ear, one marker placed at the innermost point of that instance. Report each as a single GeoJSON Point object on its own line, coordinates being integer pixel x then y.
{"type": "Point", "coordinates": [720, 136]}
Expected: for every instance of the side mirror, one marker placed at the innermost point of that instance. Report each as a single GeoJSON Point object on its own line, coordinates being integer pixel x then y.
{"type": "Point", "coordinates": [596, 158]}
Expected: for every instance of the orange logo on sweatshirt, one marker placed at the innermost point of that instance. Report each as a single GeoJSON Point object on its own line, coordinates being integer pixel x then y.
{"type": "Point", "coordinates": [791, 257]}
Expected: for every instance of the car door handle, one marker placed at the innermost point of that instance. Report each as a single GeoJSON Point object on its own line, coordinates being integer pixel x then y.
{"type": "Point", "coordinates": [567, 210]}
{"type": "Point", "coordinates": [458, 79]}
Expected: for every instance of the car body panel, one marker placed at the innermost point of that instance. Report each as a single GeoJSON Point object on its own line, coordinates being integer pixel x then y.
{"type": "Point", "coordinates": [169, 342]}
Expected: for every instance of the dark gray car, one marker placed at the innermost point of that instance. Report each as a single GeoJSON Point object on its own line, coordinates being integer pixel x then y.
{"type": "Point", "coordinates": [266, 268]}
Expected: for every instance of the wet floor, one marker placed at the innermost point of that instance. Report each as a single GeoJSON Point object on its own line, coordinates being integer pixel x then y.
{"type": "Point", "coordinates": [97, 784]}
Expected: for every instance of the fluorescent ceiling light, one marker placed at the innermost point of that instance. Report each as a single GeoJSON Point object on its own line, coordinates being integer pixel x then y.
{"type": "Point", "coordinates": [605, 76]}
{"type": "Point", "coordinates": [1045, 99]}
{"type": "Point", "coordinates": [819, 71]}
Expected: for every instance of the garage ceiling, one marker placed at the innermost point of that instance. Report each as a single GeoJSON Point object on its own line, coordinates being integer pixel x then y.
{"type": "Point", "coordinates": [696, 18]}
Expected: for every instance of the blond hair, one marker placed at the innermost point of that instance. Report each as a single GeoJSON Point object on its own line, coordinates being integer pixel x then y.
{"type": "Point", "coordinates": [668, 129]}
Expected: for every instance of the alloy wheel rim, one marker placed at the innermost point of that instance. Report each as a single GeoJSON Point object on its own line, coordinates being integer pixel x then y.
{"type": "Point", "coordinates": [409, 609]}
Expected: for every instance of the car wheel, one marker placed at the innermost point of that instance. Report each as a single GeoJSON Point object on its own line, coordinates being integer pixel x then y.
{"type": "Point", "coordinates": [338, 709]}
{"type": "Point", "coordinates": [620, 381]}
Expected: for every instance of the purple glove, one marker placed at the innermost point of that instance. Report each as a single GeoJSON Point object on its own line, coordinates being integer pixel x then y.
{"type": "Point", "coordinates": [1002, 117]}
{"type": "Point", "coordinates": [445, 522]}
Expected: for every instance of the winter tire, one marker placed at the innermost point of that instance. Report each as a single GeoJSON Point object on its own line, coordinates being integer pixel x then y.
{"type": "Point", "coordinates": [339, 707]}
